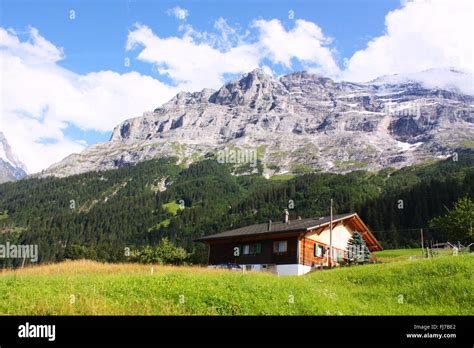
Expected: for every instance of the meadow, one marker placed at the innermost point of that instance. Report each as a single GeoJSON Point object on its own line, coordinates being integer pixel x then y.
{"type": "Point", "coordinates": [395, 255]}
{"type": "Point", "coordinates": [436, 286]}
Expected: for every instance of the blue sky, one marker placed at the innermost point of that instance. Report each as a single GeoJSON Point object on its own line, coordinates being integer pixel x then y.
{"type": "Point", "coordinates": [78, 87]}
{"type": "Point", "coordinates": [95, 40]}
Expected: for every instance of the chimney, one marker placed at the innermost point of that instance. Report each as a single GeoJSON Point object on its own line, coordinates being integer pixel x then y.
{"type": "Point", "coordinates": [286, 216]}
{"type": "Point", "coordinates": [269, 225]}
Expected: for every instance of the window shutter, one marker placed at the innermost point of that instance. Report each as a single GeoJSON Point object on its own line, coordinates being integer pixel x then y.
{"type": "Point", "coordinates": [258, 248]}
{"type": "Point", "coordinates": [315, 249]}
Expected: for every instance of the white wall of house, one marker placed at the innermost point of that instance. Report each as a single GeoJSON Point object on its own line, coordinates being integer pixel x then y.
{"type": "Point", "coordinates": [340, 236]}
{"type": "Point", "coordinates": [292, 269]}
{"type": "Point", "coordinates": [281, 270]}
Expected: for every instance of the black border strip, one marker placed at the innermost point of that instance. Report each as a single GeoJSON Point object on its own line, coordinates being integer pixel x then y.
{"type": "Point", "coordinates": [224, 331]}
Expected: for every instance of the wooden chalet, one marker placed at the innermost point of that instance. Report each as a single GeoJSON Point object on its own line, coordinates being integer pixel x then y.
{"type": "Point", "coordinates": [289, 247]}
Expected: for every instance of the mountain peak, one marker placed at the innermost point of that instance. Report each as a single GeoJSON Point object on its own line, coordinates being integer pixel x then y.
{"type": "Point", "coordinates": [249, 88]}
{"type": "Point", "coordinates": [249, 80]}
{"type": "Point", "coordinates": [304, 122]}
{"type": "Point", "coordinates": [10, 166]}
{"type": "Point", "coordinates": [259, 73]}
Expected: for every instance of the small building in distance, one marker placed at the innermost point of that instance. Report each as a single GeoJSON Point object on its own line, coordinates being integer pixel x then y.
{"type": "Point", "coordinates": [289, 247]}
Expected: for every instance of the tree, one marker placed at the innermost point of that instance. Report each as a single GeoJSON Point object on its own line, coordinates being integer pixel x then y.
{"type": "Point", "coordinates": [77, 252]}
{"type": "Point", "coordinates": [165, 252]}
{"type": "Point", "coordinates": [357, 249]}
{"type": "Point", "coordinates": [169, 253]}
{"type": "Point", "coordinates": [457, 222]}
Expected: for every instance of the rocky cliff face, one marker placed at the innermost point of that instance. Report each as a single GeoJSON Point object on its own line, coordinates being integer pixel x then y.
{"type": "Point", "coordinates": [11, 168]}
{"type": "Point", "coordinates": [298, 123]}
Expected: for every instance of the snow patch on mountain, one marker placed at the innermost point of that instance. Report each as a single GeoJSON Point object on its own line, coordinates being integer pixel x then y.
{"type": "Point", "coordinates": [442, 78]}
{"type": "Point", "coordinates": [11, 168]}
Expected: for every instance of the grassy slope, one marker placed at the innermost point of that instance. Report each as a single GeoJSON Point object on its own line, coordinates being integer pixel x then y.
{"type": "Point", "coordinates": [283, 177]}
{"type": "Point", "coordinates": [394, 255]}
{"type": "Point", "coordinates": [437, 286]}
{"type": "Point", "coordinates": [172, 207]}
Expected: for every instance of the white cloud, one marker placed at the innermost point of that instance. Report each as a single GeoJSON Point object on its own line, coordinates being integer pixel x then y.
{"type": "Point", "coordinates": [421, 35]}
{"type": "Point", "coordinates": [228, 36]}
{"type": "Point", "coordinates": [191, 60]}
{"type": "Point", "coordinates": [40, 99]}
{"type": "Point", "coordinates": [178, 12]}
{"type": "Point", "coordinates": [35, 50]}
{"type": "Point", "coordinates": [445, 78]}
{"type": "Point", "coordinates": [305, 42]}
{"type": "Point", "coordinates": [200, 59]}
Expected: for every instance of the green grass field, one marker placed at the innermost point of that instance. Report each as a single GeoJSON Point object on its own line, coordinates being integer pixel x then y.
{"type": "Point", "coordinates": [437, 286]}
{"type": "Point", "coordinates": [172, 207]}
{"type": "Point", "coordinates": [283, 177]}
{"type": "Point", "coordinates": [394, 255]}
{"type": "Point", "coordinates": [4, 215]}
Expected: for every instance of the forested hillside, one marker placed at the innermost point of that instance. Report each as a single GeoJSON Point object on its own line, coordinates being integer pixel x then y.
{"type": "Point", "coordinates": [99, 214]}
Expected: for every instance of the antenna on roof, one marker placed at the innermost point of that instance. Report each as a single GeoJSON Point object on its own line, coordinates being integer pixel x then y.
{"type": "Point", "coordinates": [286, 216]}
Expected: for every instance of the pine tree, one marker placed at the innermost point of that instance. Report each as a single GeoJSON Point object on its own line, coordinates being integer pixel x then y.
{"type": "Point", "coordinates": [358, 250]}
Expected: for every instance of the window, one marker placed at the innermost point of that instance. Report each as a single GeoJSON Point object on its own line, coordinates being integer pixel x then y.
{"type": "Point", "coordinates": [280, 246]}
{"type": "Point", "coordinates": [318, 250]}
{"type": "Point", "coordinates": [251, 249]}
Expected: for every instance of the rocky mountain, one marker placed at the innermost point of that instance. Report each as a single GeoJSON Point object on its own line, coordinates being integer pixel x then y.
{"type": "Point", "coordinates": [297, 123]}
{"type": "Point", "coordinates": [11, 168]}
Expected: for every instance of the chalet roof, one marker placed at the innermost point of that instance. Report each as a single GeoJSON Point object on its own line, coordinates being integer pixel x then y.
{"type": "Point", "coordinates": [276, 227]}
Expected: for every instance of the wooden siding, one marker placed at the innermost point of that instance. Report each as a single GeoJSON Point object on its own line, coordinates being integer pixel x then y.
{"type": "Point", "coordinates": [307, 256]}
{"type": "Point", "coordinates": [223, 252]}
